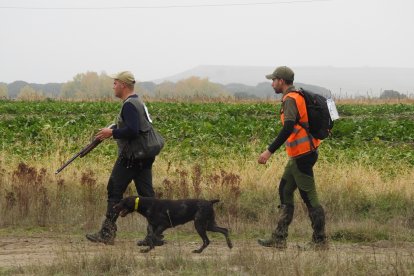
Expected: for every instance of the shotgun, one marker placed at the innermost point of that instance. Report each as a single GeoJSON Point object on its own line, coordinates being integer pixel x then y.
{"type": "Point", "coordinates": [84, 151]}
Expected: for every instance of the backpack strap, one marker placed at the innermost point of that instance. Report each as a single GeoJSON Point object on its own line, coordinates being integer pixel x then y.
{"type": "Point", "coordinates": [306, 127]}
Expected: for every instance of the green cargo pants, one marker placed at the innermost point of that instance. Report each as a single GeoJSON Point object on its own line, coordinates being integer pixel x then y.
{"type": "Point", "coordinates": [299, 174]}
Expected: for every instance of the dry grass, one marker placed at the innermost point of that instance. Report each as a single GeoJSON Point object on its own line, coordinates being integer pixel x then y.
{"type": "Point", "coordinates": [30, 193]}
{"type": "Point", "coordinates": [364, 205]}
{"type": "Point", "coordinates": [374, 101]}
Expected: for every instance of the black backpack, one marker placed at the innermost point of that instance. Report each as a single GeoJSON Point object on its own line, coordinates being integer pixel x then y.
{"type": "Point", "coordinates": [320, 122]}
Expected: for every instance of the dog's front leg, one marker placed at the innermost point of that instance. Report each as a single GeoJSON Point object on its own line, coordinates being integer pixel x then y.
{"type": "Point", "coordinates": [150, 239]}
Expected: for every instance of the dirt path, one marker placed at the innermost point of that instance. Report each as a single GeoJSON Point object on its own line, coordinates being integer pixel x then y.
{"type": "Point", "coordinates": [45, 250]}
{"type": "Point", "coordinates": [20, 251]}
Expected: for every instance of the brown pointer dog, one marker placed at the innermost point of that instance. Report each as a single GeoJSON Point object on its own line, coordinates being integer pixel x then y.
{"type": "Point", "coordinates": [162, 214]}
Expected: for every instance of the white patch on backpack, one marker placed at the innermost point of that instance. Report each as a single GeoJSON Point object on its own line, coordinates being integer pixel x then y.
{"type": "Point", "coordinates": [332, 109]}
{"type": "Point", "coordinates": [147, 113]}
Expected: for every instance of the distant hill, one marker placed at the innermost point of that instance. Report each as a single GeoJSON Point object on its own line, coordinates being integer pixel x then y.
{"type": "Point", "coordinates": [243, 91]}
{"type": "Point", "coordinates": [344, 82]}
{"type": "Point", "coordinates": [265, 90]}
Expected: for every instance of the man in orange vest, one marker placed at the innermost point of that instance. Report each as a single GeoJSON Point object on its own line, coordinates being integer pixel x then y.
{"type": "Point", "coordinates": [301, 148]}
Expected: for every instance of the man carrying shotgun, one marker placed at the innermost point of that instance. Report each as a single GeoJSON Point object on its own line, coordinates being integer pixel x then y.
{"type": "Point", "coordinates": [127, 167]}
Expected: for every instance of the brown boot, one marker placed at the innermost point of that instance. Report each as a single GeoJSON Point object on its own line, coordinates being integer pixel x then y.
{"type": "Point", "coordinates": [106, 235]}
{"type": "Point", "coordinates": [279, 236]}
{"type": "Point", "coordinates": [317, 217]}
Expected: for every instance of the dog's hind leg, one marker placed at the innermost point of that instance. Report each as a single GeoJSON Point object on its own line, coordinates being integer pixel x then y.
{"type": "Point", "coordinates": [202, 231]}
{"type": "Point", "coordinates": [214, 228]}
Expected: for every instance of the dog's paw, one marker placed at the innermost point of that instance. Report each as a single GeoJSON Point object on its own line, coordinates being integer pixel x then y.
{"type": "Point", "coordinates": [142, 243]}
{"type": "Point", "coordinates": [146, 250]}
{"type": "Point", "coordinates": [197, 251]}
{"type": "Point", "coordinates": [230, 244]}
{"type": "Point", "coordinates": [146, 243]}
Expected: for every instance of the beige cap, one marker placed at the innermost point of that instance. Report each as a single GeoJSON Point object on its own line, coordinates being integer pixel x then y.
{"type": "Point", "coordinates": [282, 72]}
{"type": "Point", "coordinates": [124, 76]}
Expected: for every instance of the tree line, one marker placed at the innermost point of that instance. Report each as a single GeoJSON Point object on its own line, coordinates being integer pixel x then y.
{"type": "Point", "coordinates": [91, 85]}
{"type": "Point", "coordinates": [94, 86]}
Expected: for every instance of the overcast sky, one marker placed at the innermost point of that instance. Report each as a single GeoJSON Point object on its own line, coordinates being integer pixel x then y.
{"type": "Point", "coordinates": [51, 41]}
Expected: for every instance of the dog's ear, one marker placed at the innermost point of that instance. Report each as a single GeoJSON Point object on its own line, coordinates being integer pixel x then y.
{"type": "Point", "coordinates": [125, 203]}
{"type": "Point", "coordinates": [125, 206]}
{"type": "Point", "coordinates": [129, 203]}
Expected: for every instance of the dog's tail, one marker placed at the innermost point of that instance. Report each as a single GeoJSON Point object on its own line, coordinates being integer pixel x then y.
{"type": "Point", "coordinates": [214, 201]}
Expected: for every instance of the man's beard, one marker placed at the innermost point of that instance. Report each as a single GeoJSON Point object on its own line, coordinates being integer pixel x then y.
{"type": "Point", "coordinates": [278, 91]}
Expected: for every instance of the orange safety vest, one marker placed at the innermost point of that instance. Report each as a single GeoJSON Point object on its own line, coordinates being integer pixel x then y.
{"type": "Point", "coordinates": [299, 141]}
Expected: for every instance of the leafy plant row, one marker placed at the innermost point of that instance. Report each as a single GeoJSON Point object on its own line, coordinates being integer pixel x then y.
{"type": "Point", "coordinates": [375, 133]}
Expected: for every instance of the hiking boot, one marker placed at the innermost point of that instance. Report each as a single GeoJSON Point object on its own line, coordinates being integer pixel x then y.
{"type": "Point", "coordinates": [106, 235]}
{"type": "Point", "coordinates": [279, 235]}
{"type": "Point", "coordinates": [317, 217]}
{"type": "Point", "coordinates": [281, 231]}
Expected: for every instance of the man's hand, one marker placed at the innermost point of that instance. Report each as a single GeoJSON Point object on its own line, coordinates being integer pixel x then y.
{"type": "Point", "coordinates": [103, 134]}
{"type": "Point", "coordinates": [264, 157]}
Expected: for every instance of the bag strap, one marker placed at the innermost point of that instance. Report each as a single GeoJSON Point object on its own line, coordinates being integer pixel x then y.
{"type": "Point", "coordinates": [310, 137]}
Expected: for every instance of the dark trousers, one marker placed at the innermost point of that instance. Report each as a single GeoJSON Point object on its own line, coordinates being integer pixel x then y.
{"type": "Point", "coordinates": [299, 174]}
{"type": "Point", "coordinates": [140, 171]}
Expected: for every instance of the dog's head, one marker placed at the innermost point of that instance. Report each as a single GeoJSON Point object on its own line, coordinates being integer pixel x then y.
{"type": "Point", "coordinates": [127, 205]}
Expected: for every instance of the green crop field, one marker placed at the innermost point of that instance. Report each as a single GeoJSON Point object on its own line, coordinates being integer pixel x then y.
{"type": "Point", "coordinates": [374, 133]}
{"type": "Point", "coordinates": [364, 174]}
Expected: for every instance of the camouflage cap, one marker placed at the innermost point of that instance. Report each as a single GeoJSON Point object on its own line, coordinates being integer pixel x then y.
{"type": "Point", "coordinates": [282, 72]}
{"type": "Point", "coordinates": [124, 76]}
